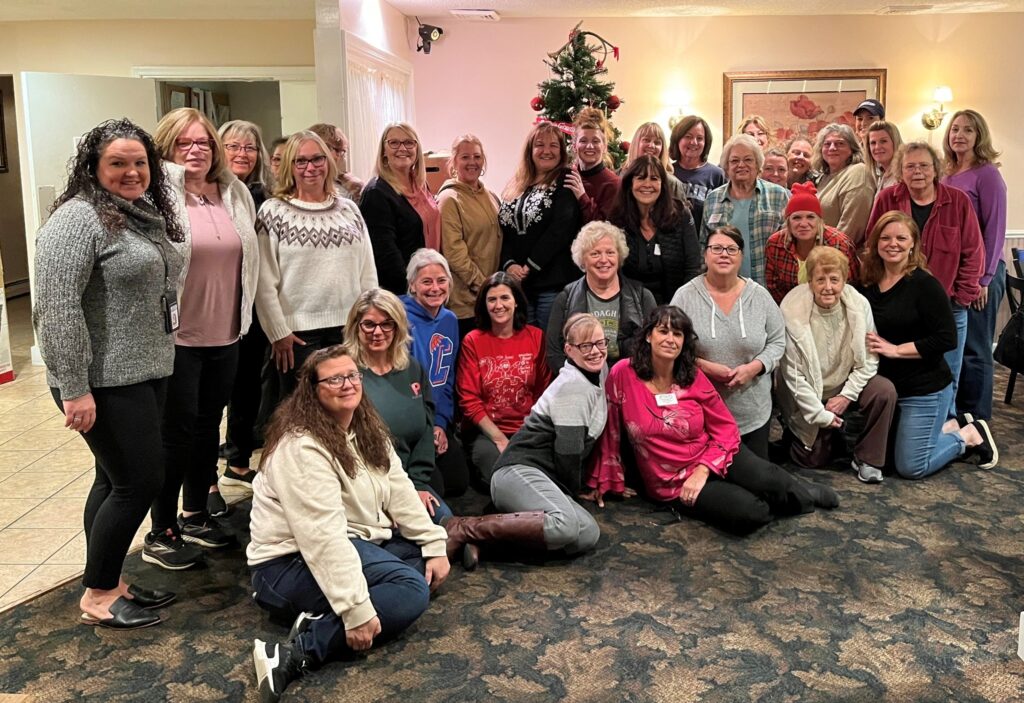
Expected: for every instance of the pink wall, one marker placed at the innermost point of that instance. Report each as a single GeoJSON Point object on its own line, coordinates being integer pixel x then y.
{"type": "Point", "coordinates": [481, 77]}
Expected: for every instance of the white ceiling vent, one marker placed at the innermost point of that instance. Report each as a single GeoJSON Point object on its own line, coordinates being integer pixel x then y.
{"type": "Point", "coordinates": [476, 15]}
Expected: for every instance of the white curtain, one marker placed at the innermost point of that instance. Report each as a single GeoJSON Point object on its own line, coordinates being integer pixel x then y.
{"type": "Point", "coordinates": [377, 96]}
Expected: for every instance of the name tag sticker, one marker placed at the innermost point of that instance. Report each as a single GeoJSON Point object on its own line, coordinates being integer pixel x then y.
{"type": "Point", "coordinates": [657, 250]}
{"type": "Point", "coordinates": [715, 219]}
{"type": "Point", "coordinates": [666, 399]}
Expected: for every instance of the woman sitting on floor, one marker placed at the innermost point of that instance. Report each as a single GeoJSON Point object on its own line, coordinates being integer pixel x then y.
{"type": "Point", "coordinates": [827, 368]}
{"type": "Point", "coordinates": [340, 541]}
{"type": "Point", "coordinates": [688, 449]}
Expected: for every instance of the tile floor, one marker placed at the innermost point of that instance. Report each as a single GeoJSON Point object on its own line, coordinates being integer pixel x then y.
{"type": "Point", "coordinates": [45, 475]}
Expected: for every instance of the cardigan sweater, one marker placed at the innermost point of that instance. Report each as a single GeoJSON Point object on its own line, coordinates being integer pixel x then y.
{"type": "Point", "coordinates": [782, 266]}
{"type": "Point", "coordinates": [501, 379]}
{"type": "Point", "coordinates": [305, 503]}
{"type": "Point", "coordinates": [470, 240]}
{"type": "Point", "coordinates": [916, 310]}
{"type": "Point", "coordinates": [986, 190]}
{"type": "Point", "coordinates": [800, 393]}
{"type": "Point", "coordinates": [405, 403]}
{"type": "Point", "coordinates": [846, 200]}
{"type": "Point", "coordinates": [951, 238]}
{"type": "Point", "coordinates": [669, 440]}
{"type": "Point", "coordinates": [316, 261]}
{"type": "Point", "coordinates": [97, 307]}
{"type": "Point", "coordinates": [562, 429]}
{"type": "Point", "coordinates": [538, 228]}
{"type": "Point", "coordinates": [434, 343]}
{"type": "Point", "coordinates": [238, 202]}
{"type": "Point", "coordinates": [396, 231]}
{"type": "Point", "coordinates": [601, 190]}
{"type": "Point", "coordinates": [753, 330]}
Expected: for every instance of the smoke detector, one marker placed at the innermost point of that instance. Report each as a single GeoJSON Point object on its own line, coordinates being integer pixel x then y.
{"type": "Point", "coordinates": [476, 15]}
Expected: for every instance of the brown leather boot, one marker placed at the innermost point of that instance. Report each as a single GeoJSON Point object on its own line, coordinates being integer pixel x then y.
{"type": "Point", "coordinates": [466, 534]}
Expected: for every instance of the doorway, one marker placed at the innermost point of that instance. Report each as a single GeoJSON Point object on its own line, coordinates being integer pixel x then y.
{"type": "Point", "coordinates": [13, 248]}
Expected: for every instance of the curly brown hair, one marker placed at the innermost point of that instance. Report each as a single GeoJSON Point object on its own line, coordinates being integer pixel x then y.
{"type": "Point", "coordinates": [302, 414]}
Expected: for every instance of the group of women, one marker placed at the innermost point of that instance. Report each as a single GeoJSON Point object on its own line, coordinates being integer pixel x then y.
{"type": "Point", "coordinates": [399, 328]}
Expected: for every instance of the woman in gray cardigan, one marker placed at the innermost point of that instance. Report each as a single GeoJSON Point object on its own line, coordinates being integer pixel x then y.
{"type": "Point", "coordinates": [105, 277]}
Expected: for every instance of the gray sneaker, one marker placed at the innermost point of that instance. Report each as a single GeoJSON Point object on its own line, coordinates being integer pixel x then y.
{"type": "Point", "coordinates": [866, 472]}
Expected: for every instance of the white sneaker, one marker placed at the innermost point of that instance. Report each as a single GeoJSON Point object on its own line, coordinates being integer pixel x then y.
{"type": "Point", "coordinates": [866, 472]}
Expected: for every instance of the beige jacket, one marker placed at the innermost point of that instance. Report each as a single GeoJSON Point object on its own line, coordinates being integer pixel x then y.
{"type": "Point", "coordinates": [239, 204]}
{"type": "Point", "coordinates": [800, 392]}
{"type": "Point", "coordinates": [304, 502]}
{"type": "Point", "coordinates": [846, 200]}
{"type": "Point", "coordinates": [470, 240]}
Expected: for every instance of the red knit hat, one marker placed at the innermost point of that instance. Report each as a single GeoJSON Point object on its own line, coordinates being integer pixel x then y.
{"type": "Point", "coordinates": [805, 197]}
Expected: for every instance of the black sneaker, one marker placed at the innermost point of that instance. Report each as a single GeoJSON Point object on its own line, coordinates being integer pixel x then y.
{"type": "Point", "coordinates": [215, 505]}
{"type": "Point", "coordinates": [302, 624]}
{"type": "Point", "coordinates": [277, 665]}
{"type": "Point", "coordinates": [236, 480]}
{"type": "Point", "coordinates": [168, 550]}
{"type": "Point", "coordinates": [987, 452]}
{"type": "Point", "coordinates": [201, 529]}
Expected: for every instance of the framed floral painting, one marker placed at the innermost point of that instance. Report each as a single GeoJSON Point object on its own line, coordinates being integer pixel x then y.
{"type": "Point", "coordinates": [799, 103]}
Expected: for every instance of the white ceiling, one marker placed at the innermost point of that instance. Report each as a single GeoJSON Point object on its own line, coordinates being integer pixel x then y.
{"type": "Point", "coordinates": [701, 8]}
{"type": "Point", "coordinates": [24, 10]}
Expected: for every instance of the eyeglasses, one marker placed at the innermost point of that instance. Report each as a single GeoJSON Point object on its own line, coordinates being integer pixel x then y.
{"type": "Point", "coordinates": [748, 161]}
{"type": "Point", "coordinates": [187, 144]}
{"type": "Point", "coordinates": [302, 162]}
{"type": "Point", "coordinates": [369, 326]}
{"type": "Point", "coordinates": [234, 148]}
{"type": "Point", "coordinates": [841, 144]}
{"type": "Point", "coordinates": [587, 347]}
{"type": "Point", "coordinates": [923, 168]}
{"type": "Point", "coordinates": [716, 249]}
{"type": "Point", "coordinates": [338, 382]}
{"type": "Point", "coordinates": [395, 144]}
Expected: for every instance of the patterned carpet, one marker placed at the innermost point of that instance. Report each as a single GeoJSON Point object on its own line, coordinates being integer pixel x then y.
{"type": "Point", "coordinates": [908, 592]}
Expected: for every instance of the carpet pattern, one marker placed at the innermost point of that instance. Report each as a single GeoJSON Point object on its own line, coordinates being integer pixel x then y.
{"type": "Point", "coordinates": [910, 591]}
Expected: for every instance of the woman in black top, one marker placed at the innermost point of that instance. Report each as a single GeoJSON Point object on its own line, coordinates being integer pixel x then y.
{"type": "Point", "coordinates": [660, 233]}
{"type": "Point", "coordinates": [539, 218]}
{"type": "Point", "coordinates": [915, 328]}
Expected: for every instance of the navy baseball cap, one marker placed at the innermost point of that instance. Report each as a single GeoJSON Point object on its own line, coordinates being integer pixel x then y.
{"type": "Point", "coordinates": [872, 106]}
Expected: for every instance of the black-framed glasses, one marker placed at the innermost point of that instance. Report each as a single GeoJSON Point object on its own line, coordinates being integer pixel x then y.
{"type": "Point", "coordinates": [235, 148]}
{"type": "Point", "coordinates": [369, 326]}
{"type": "Point", "coordinates": [338, 382]}
{"type": "Point", "coordinates": [394, 144]}
{"type": "Point", "coordinates": [587, 347]}
{"type": "Point", "coordinates": [317, 161]}
{"type": "Point", "coordinates": [716, 249]}
{"type": "Point", "coordinates": [187, 144]}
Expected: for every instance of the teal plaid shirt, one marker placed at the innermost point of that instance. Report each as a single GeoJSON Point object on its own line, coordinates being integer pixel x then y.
{"type": "Point", "coordinates": [766, 217]}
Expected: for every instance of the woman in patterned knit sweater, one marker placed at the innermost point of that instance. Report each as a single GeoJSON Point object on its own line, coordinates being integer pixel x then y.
{"type": "Point", "coordinates": [315, 257]}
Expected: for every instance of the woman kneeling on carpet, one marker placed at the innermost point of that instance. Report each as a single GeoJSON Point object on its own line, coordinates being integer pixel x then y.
{"type": "Point", "coordinates": [329, 470]}
{"type": "Point", "coordinates": [688, 449]}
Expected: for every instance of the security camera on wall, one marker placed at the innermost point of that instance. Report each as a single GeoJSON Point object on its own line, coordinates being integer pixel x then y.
{"type": "Point", "coordinates": [428, 35]}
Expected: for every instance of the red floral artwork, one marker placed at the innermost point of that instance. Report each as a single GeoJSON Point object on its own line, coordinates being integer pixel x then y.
{"type": "Point", "coordinates": [804, 108]}
{"type": "Point", "coordinates": [802, 114]}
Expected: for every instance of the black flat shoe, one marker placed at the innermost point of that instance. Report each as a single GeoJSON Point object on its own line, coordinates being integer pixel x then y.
{"type": "Point", "coordinates": [125, 616]}
{"type": "Point", "coordinates": [147, 599]}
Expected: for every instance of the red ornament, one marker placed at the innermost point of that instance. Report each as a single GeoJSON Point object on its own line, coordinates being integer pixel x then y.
{"type": "Point", "coordinates": [624, 145]}
{"type": "Point", "coordinates": [537, 103]}
{"type": "Point", "coordinates": [613, 102]}
{"type": "Point", "coordinates": [600, 64]}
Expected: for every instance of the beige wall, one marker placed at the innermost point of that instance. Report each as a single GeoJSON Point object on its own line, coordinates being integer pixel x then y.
{"type": "Point", "coordinates": [481, 77]}
{"type": "Point", "coordinates": [12, 221]}
{"type": "Point", "coordinates": [379, 24]}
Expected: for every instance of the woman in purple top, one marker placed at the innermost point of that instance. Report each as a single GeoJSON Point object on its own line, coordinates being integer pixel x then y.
{"type": "Point", "coordinates": [971, 166]}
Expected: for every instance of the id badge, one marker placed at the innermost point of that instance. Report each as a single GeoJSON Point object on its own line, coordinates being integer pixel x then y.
{"type": "Point", "coordinates": [665, 400]}
{"type": "Point", "coordinates": [171, 320]}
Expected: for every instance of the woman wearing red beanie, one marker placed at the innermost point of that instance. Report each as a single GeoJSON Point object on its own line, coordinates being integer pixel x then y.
{"type": "Point", "coordinates": [786, 251]}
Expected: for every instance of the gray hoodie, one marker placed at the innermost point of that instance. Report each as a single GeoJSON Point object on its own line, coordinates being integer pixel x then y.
{"type": "Point", "coordinates": [753, 329]}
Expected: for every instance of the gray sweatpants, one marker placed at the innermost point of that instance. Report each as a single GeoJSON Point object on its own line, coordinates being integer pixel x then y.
{"type": "Point", "coordinates": [567, 525]}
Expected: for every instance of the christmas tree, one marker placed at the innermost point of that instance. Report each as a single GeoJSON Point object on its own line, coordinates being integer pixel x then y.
{"type": "Point", "coordinates": [577, 69]}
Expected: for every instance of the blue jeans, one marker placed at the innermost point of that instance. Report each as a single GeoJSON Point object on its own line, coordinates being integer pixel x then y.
{"type": "Point", "coordinates": [539, 307]}
{"type": "Point", "coordinates": [394, 575]}
{"type": "Point", "coordinates": [955, 357]}
{"type": "Point", "coordinates": [441, 510]}
{"type": "Point", "coordinates": [975, 392]}
{"type": "Point", "coordinates": [920, 448]}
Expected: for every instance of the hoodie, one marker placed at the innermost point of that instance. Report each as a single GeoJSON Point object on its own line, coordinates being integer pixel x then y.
{"type": "Point", "coordinates": [470, 240]}
{"type": "Point", "coordinates": [434, 343]}
{"type": "Point", "coordinates": [753, 329]}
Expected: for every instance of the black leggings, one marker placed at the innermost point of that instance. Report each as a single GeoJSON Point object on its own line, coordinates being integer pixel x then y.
{"type": "Point", "coordinates": [753, 493]}
{"type": "Point", "coordinates": [451, 472]}
{"type": "Point", "coordinates": [248, 408]}
{"type": "Point", "coordinates": [125, 440]}
{"type": "Point", "coordinates": [197, 394]}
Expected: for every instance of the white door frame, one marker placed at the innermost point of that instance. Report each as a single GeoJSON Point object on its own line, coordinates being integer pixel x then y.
{"type": "Point", "coordinates": [226, 73]}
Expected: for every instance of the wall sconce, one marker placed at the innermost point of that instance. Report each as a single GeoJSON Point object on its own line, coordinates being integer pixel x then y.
{"type": "Point", "coordinates": [933, 118]}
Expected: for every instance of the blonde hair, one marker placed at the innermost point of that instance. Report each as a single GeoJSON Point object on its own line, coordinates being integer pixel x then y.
{"type": "Point", "coordinates": [984, 152]}
{"type": "Point", "coordinates": [241, 128]}
{"type": "Point", "coordinates": [177, 121]}
{"type": "Point", "coordinates": [823, 257]}
{"type": "Point", "coordinates": [591, 234]}
{"type": "Point", "coordinates": [759, 122]}
{"type": "Point", "coordinates": [459, 141]}
{"type": "Point", "coordinates": [418, 170]}
{"type": "Point", "coordinates": [387, 303]}
{"type": "Point", "coordinates": [649, 129]}
{"type": "Point", "coordinates": [897, 141]}
{"type": "Point", "coordinates": [285, 186]}
{"type": "Point", "coordinates": [579, 323]}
